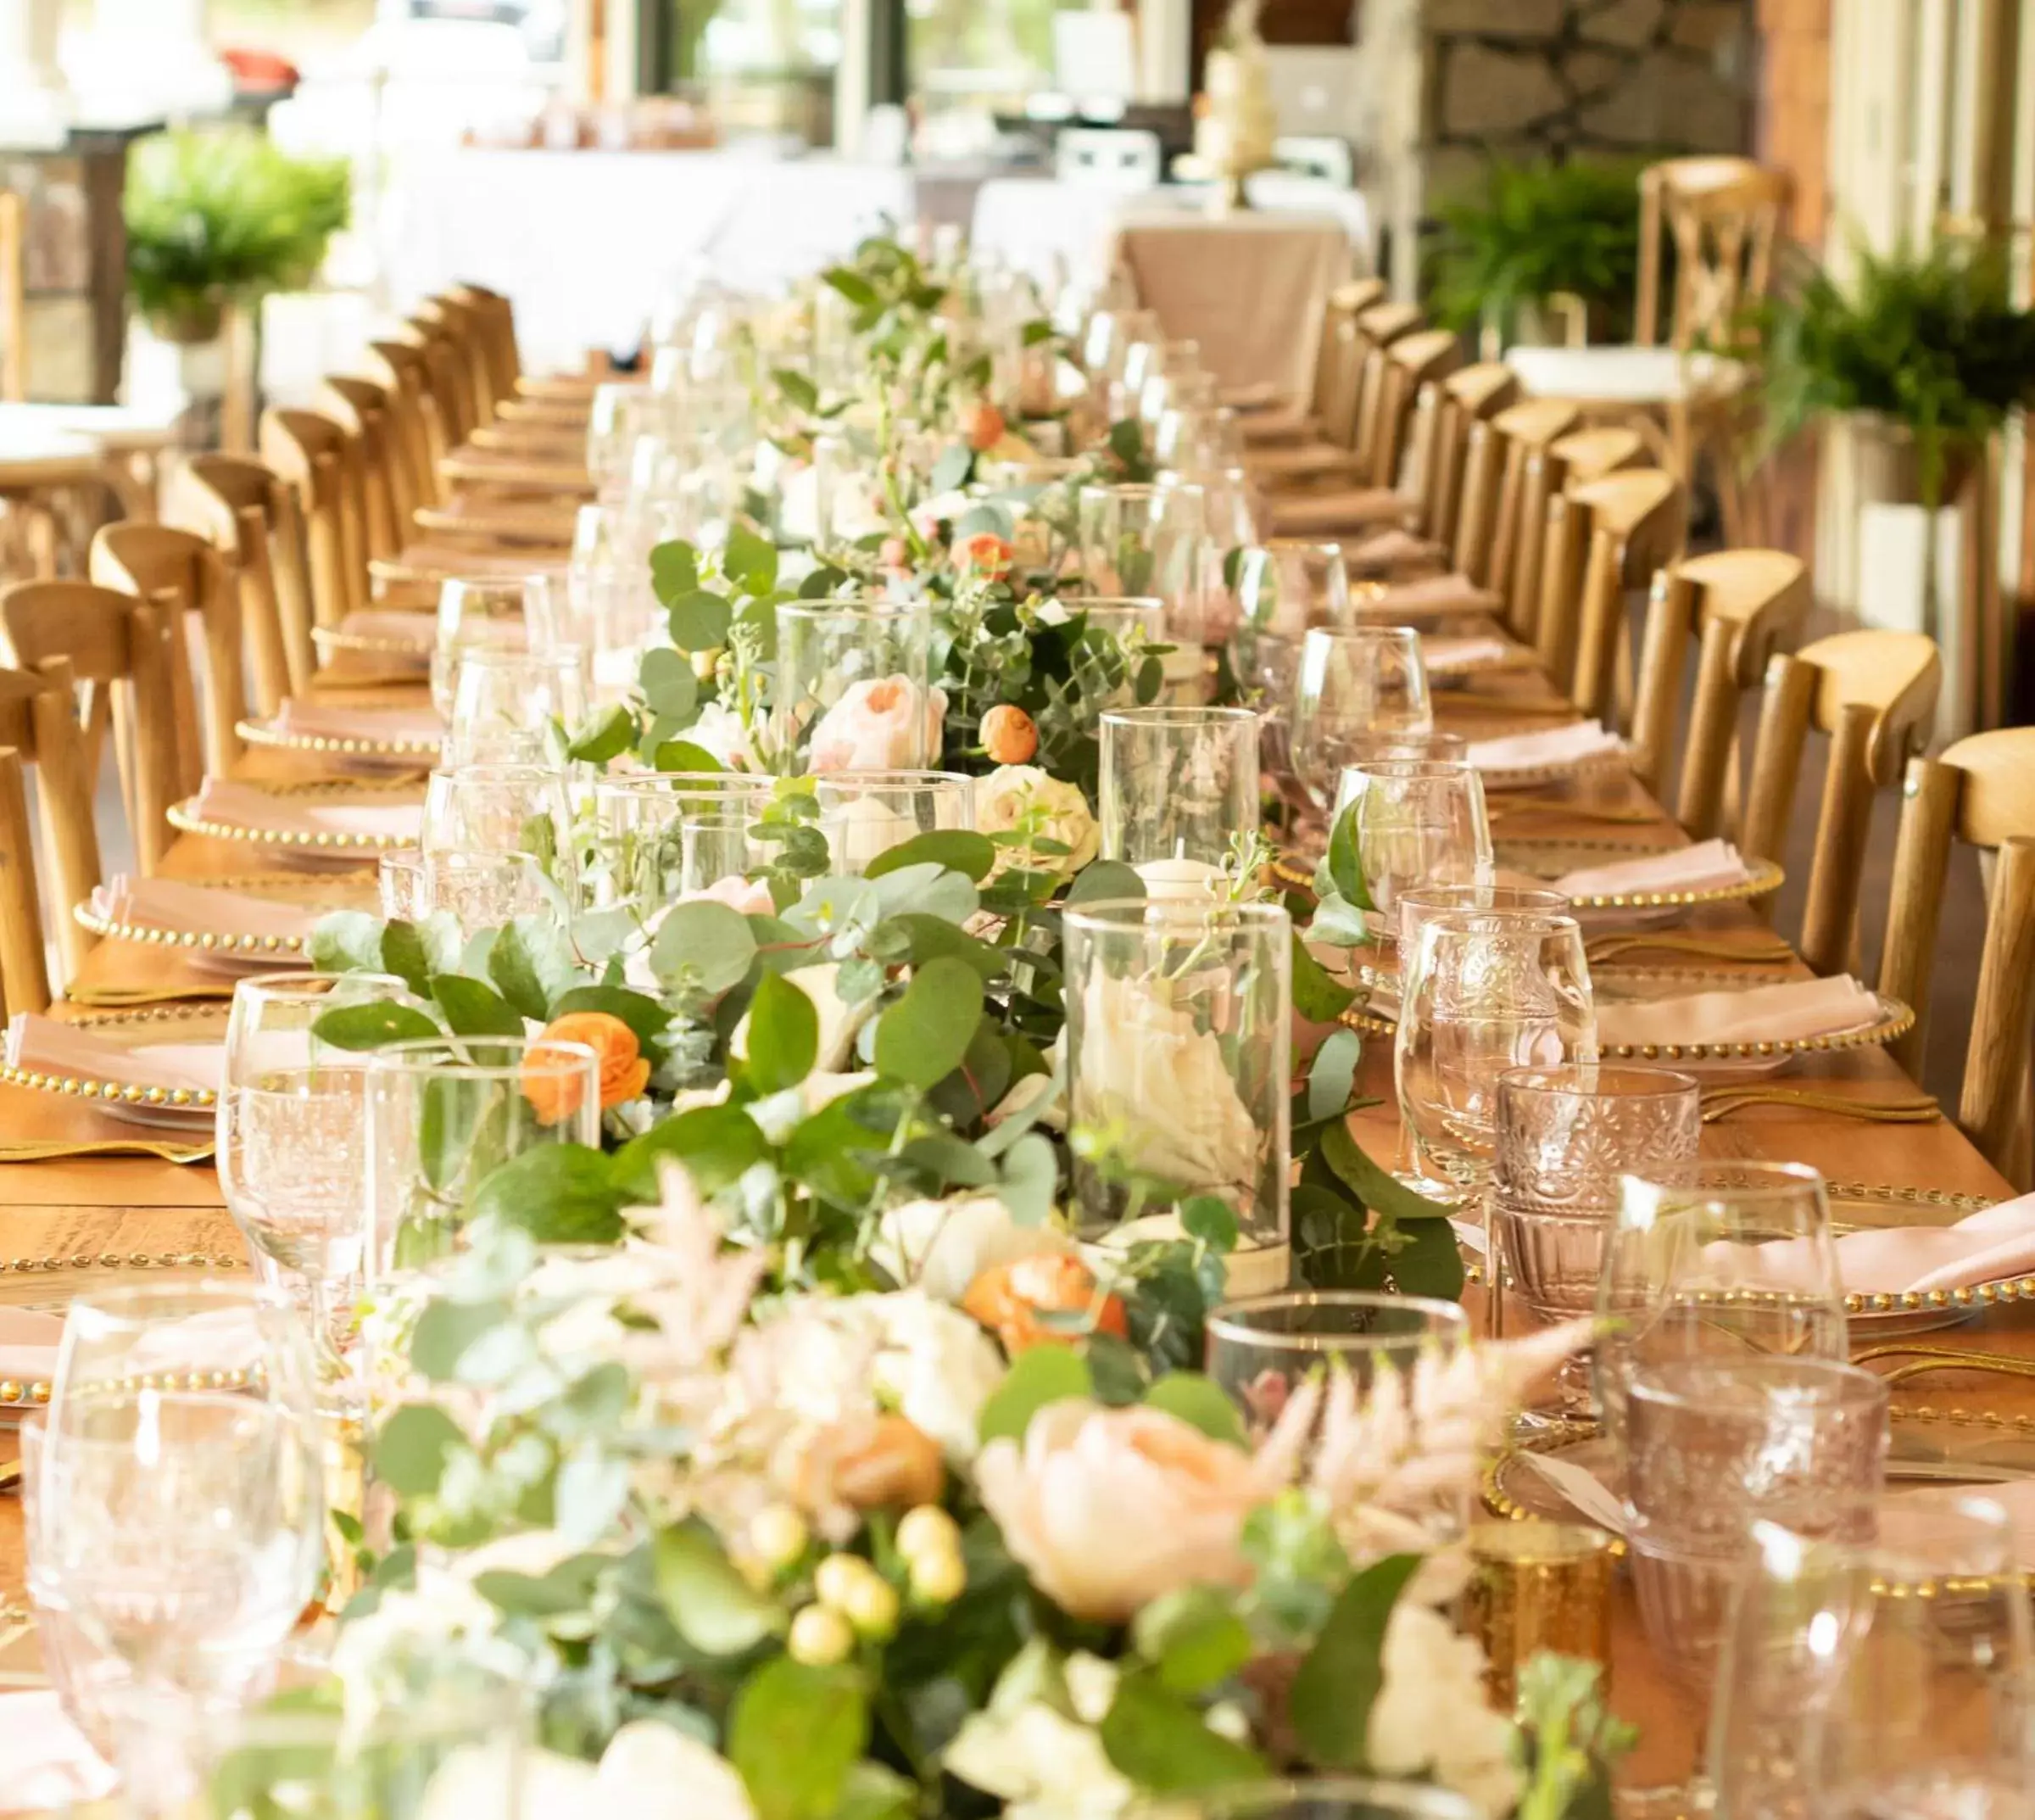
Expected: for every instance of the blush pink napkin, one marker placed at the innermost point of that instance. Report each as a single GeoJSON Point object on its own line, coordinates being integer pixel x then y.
{"type": "Point", "coordinates": [1760, 1013]}
{"type": "Point", "coordinates": [1438, 594]}
{"type": "Point", "coordinates": [1324, 514]}
{"type": "Point", "coordinates": [1444, 656]}
{"type": "Point", "coordinates": [317, 720]}
{"type": "Point", "coordinates": [1549, 745]}
{"type": "Point", "coordinates": [50, 1767]}
{"type": "Point", "coordinates": [28, 1343]}
{"type": "Point", "coordinates": [43, 1046]}
{"type": "Point", "coordinates": [394, 625]}
{"type": "Point", "coordinates": [1704, 867]}
{"type": "Point", "coordinates": [1898, 1260]}
{"type": "Point", "coordinates": [171, 904]}
{"type": "Point", "coordinates": [244, 805]}
{"type": "Point", "coordinates": [1388, 550]}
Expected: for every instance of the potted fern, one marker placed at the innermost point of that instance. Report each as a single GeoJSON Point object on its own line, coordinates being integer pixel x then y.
{"type": "Point", "coordinates": [222, 216]}
{"type": "Point", "coordinates": [1533, 233]}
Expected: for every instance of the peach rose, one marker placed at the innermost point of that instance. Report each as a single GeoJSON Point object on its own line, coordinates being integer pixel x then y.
{"type": "Point", "coordinates": [985, 553]}
{"type": "Point", "coordinates": [1009, 735]}
{"type": "Point", "coordinates": [751, 896]}
{"type": "Point", "coordinates": [985, 426]}
{"type": "Point", "coordinates": [624, 1070]}
{"type": "Point", "coordinates": [1009, 1298]}
{"type": "Point", "coordinates": [883, 723]}
{"type": "Point", "coordinates": [878, 1463]}
{"type": "Point", "coordinates": [1060, 1497]}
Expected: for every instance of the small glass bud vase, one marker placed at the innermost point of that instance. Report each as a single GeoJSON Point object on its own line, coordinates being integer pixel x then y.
{"type": "Point", "coordinates": [854, 689]}
{"type": "Point", "coordinates": [1178, 786]}
{"type": "Point", "coordinates": [1179, 1046]}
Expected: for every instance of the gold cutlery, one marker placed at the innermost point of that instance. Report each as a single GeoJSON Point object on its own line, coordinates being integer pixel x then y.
{"type": "Point", "coordinates": [1580, 812]}
{"type": "Point", "coordinates": [1927, 1359]}
{"type": "Point", "coordinates": [1720, 1102]}
{"type": "Point", "coordinates": [1502, 704]}
{"type": "Point", "coordinates": [1715, 948]}
{"type": "Point", "coordinates": [121, 996]}
{"type": "Point", "coordinates": [107, 1146]}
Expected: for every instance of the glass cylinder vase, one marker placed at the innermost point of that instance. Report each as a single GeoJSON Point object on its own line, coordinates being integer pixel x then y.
{"type": "Point", "coordinates": [854, 689]}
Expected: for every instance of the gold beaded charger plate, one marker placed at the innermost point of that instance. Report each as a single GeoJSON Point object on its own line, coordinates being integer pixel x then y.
{"type": "Point", "coordinates": [384, 639]}
{"type": "Point", "coordinates": [1549, 860]}
{"type": "Point", "coordinates": [178, 1109]}
{"type": "Point", "coordinates": [318, 894]}
{"type": "Point", "coordinates": [360, 751]}
{"type": "Point", "coordinates": [304, 845]}
{"type": "Point", "coordinates": [1500, 778]}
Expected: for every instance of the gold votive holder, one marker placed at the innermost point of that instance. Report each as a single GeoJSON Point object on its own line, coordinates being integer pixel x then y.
{"type": "Point", "coordinates": [1537, 1585]}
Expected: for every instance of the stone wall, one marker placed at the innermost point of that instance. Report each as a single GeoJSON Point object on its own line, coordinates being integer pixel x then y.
{"type": "Point", "coordinates": [1524, 79]}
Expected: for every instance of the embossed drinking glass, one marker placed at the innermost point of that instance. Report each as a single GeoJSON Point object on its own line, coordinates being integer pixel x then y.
{"type": "Point", "coordinates": [1148, 539]}
{"type": "Point", "coordinates": [854, 689]}
{"type": "Point", "coordinates": [1567, 1137]}
{"type": "Point", "coordinates": [1480, 993]}
{"type": "Point", "coordinates": [1412, 823]}
{"type": "Point", "coordinates": [864, 814]}
{"type": "Point", "coordinates": [520, 812]}
{"type": "Point", "coordinates": [489, 612]}
{"type": "Point", "coordinates": [515, 707]}
{"type": "Point", "coordinates": [1354, 683]}
{"type": "Point", "coordinates": [1718, 1444]}
{"type": "Point", "coordinates": [1179, 785]}
{"type": "Point", "coordinates": [400, 884]}
{"type": "Point", "coordinates": [444, 1113]}
{"type": "Point", "coordinates": [1417, 903]}
{"type": "Point", "coordinates": [1716, 1260]}
{"type": "Point", "coordinates": [1179, 1044]}
{"type": "Point", "coordinates": [1885, 1678]}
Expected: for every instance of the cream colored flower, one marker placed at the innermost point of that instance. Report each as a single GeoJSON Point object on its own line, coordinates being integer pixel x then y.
{"type": "Point", "coordinates": [750, 896]}
{"type": "Point", "coordinates": [1060, 1497]}
{"type": "Point", "coordinates": [720, 732]}
{"type": "Point", "coordinates": [1044, 1762]}
{"type": "Point", "coordinates": [1147, 1073]}
{"type": "Point", "coordinates": [941, 1247]}
{"type": "Point", "coordinates": [880, 724]}
{"type": "Point", "coordinates": [1011, 793]}
{"type": "Point", "coordinates": [651, 1771]}
{"type": "Point", "coordinates": [1431, 1717]}
{"type": "Point", "coordinates": [839, 1020]}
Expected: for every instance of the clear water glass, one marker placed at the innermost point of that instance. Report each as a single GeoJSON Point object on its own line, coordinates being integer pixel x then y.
{"type": "Point", "coordinates": [635, 856]}
{"type": "Point", "coordinates": [515, 707]}
{"type": "Point", "coordinates": [1262, 1349]}
{"type": "Point", "coordinates": [1354, 683]}
{"type": "Point", "coordinates": [1147, 538]}
{"type": "Point", "coordinates": [489, 612]}
{"type": "Point", "coordinates": [1287, 584]}
{"type": "Point", "coordinates": [503, 810]}
{"type": "Point", "coordinates": [1412, 823]}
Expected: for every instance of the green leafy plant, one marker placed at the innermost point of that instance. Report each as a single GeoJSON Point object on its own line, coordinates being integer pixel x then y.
{"type": "Point", "coordinates": [1534, 231]}
{"type": "Point", "coordinates": [219, 215]}
{"type": "Point", "coordinates": [1930, 340]}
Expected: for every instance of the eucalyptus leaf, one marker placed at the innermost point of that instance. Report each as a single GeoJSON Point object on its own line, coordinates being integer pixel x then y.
{"type": "Point", "coordinates": [668, 685]}
{"type": "Point", "coordinates": [957, 849]}
{"type": "Point", "coordinates": [1200, 1402]}
{"type": "Point", "coordinates": [411, 1447]}
{"type": "Point", "coordinates": [1161, 1742]}
{"type": "Point", "coordinates": [784, 1035]}
{"type": "Point", "coordinates": [405, 954]}
{"type": "Point", "coordinates": [474, 1009]}
{"type": "Point", "coordinates": [750, 559]}
{"type": "Point", "coordinates": [795, 1734]}
{"type": "Point", "coordinates": [708, 942]}
{"type": "Point", "coordinates": [373, 1026]}
{"type": "Point", "coordinates": [1380, 1192]}
{"type": "Point", "coordinates": [559, 1194]}
{"type": "Point", "coordinates": [1104, 881]}
{"type": "Point", "coordinates": [1040, 1375]}
{"type": "Point", "coordinates": [922, 1038]}
{"type": "Point", "coordinates": [1317, 996]}
{"type": "Point", "coordinates": [699, 621]}
{"type": "Point", "coordinates": [1340, 1675]}
{"type": "Point", "coordinates": [674, 570]}
{"type": "Point", "coordinates": [1332, 1074]}
{"type": "Point", "coordinates": [713, 1607]}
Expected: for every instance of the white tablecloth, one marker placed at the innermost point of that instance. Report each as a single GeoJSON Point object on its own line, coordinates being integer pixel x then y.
{"type": "Point", "coordinates": [585, 243]}
{"type": "Point", "coordinates": [1049, 229]}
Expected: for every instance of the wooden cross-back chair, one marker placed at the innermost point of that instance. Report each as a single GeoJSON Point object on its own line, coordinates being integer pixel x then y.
{"type": "Point", "coordinates": [37, 728]}
{"type": "Point", "coordinates": [1446, 416]}
{"type": "Point", "coordinates": [1610, 534]}
{"type": "Point", "coordinates": [316, 457]}
{"type": "Point", "coordinates": [1982, 791]}
{"type": "Point", "coordinates": [1741, 608]}
{"type": "Point", "coordinates": [465, 322]}
{"type": "Point", "coordinates": [362, 407]}
{"type": "Point", "coordinates": [1874, 694]}
{"type": "Point", "coordinates": [247, 511]}
{"type": "Point", "coordinates": [448, 373]}
{"type": "Point", "coordinates": [181, 574]}
{"type": "Point", "coordinates": [1410, 362]}
{"type": "Point", "coordinates": [420, 432]}
{"type": "Point", "coordinates": [110, 655]}
{"type": "Point", "coordinates": [496, 320]}
{"type": "Point", "coordinates": [1539, 534]}
{"type": "Point", "coordinates": [1499, 475]}
{"type": "Point", "coordinates": [14, 296]}
{"type": "Point", "coordinates": [1723, 215]}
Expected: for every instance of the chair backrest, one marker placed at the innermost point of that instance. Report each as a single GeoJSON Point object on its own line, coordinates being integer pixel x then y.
{"type": "Point", "coordinates": [1741, 607]}
{"type": "Point", "coordinates": [1501, 475]}
{"type": "Point", "coordinates": [1724, 216]}
{"type": "Point", "coordinates": [1590, 454]}
{"type": "Point", "coordinates": [1610, 533]}
{"type": "Point", "coordinates": [362, 406]}
{"type": "Point", "coordinates": [14, 297]}
{"type": "Point", "coordinates": [37, 727]}
{"type": "Point", "coordinates": [1444, 415]}
{"type": "Point", "coordinates": [1981, 791]}
{"type": "Point", "coordinates": [1337, 360]}
{"type": "Point", "coordinates": [1108, 156]}
{"type": "Point", "coordinates": [316, 457]}
{"type": "Point", "coordinates": [463, 321]}
{"type": "Point", "coordinates": [497, 316]}
{"type": "Point", "coordinates": [1874, 694]}
{"type": "Point", "coordinates": [419, 432]}
{"type": "Point", "coordinates": [184, 575]}
{"type": "Point", "coordinates": [1377, 329]}
{"type": "Point", "coordinates": [1410, 362]}
{"type": "Point", "coordinates": [110, 654]}
{"type": "Point", "coordinates": [248, 513]}
{"type": "Point", "coordinates": [447, 374]}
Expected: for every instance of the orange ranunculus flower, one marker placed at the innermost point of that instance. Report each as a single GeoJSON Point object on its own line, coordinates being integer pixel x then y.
{"type": "Point", "coordinates": [624, 1068]}
{"type": "Point", "coordinates": [985, 426]}
{"type": "Point", "coordinates": [987, 554]}
{"type": "Point", "coordinates": [1008, 1298]}
{"type": "Point", "coordinates": [1009, 735]}
{"type": "Point", "coordinates": [881, 1463]}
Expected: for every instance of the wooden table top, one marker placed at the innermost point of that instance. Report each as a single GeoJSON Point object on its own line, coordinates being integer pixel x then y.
{"type": "Point", "coordinates": [59, 1209]}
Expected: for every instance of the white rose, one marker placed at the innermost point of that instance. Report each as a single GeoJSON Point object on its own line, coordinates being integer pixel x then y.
{"type": "Point", "coordinates": [502, 1778]}
{"type": "Point", "coordinates": [1431, 1717]}
{"type": "Point", "coordinates": [1011, 792]}
{"type": "Point", "coordinates": [651, 1771]}
{"type": "Point", "coordinates": [938, 1367]}
{"type": "Point", "coordinates": [531, 1552]}
{"type": "Point", "coordinates": [941, 1247]}
{"type": "Point", "coordinates": [719, 732]}
{"type": "Point", "coordinates": [1039, 1762]}
{"type": "Point", "coordinates": [1147, 1072]}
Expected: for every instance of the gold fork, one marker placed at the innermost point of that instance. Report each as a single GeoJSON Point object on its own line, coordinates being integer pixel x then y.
{"type": "Point", "coordinates": [35, 1152]}
{"type": "Point", "coordinates": [1580, 812]}
{"type": "Point", "coordinates": [1717, 948]}
{"type": "Point", "coordinates": [1720, 1102]}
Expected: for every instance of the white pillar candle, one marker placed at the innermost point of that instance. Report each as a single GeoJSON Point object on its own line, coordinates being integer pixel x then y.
{"type": "Point", "coordinates": [1166, 879]}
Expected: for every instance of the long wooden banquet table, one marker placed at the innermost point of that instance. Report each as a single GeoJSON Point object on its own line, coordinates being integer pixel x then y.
{"type": "Point", "coordinates": [62, 1210]}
